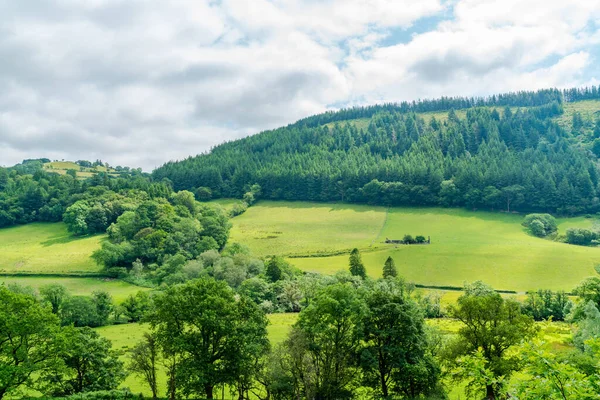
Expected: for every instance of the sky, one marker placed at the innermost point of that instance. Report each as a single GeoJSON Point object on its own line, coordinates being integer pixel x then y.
{"type": "Point", "coordinates": [142, 82]}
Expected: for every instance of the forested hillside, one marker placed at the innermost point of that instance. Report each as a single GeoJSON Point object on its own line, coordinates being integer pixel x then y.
{"type": "Point", "coordinates": [506, 152]}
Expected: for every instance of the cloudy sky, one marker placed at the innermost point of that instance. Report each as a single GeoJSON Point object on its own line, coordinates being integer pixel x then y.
{"type": "Point", "coordinates": [141, 82]}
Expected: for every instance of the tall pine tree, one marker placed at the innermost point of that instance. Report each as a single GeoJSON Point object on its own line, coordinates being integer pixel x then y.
{"type": "Point", "coordinates": [357, 268]}
{"type": "Point", "coordinates": [389, 268]}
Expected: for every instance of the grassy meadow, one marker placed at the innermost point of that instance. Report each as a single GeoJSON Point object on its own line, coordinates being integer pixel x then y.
{"type": "Point", "coordinates": [46, 248]}
{"type": "Point", "coordinates": [466, 245]}
{"type": "Point", "coordinates": [302, 228]}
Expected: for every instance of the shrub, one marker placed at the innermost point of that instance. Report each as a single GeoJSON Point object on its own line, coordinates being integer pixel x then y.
{"type": "Point", "coordinates": [581, 237]}
{"type": "Point", "coordinates": [408, 239]}
{"type": "Point", "coordinates": [420, 239]}
{"type": "Point", "coordinates": [540, 225]}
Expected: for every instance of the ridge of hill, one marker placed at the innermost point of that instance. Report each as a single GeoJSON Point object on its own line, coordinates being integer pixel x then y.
{"type": "Point", "coordinates": [526, 151]}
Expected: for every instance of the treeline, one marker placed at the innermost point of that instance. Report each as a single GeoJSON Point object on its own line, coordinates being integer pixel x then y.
{"type": "Point", "coordinates": [515, 99]}
{"type": "Point", "coordinates": [354, 336]}
{"type": "Point", "coordinates": [39, 196]}
{"type": "Point", "coordinates": [496, 159]}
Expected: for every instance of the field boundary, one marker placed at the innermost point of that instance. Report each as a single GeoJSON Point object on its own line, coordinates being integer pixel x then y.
{"type": "Point", "coordinates": [385, 219]}
{"type": "Point", "coordinates": [54, 275]}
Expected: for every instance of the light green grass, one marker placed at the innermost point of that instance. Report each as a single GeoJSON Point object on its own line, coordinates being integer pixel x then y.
{"type": "Point", "coordinates": [359, 123]}
{"type": "Point", "coordinates": [119, 290]}
{"type": "Point", "coordinates": [300, 228]}
{"type": "Point", "coordinates": [125, 337]}
{"type": "Point", "coordinates": [468, 246]}
{"type": "Point", "coordinates": [227, 204]}
{"type": "Point", "coordinates": [46, 248]}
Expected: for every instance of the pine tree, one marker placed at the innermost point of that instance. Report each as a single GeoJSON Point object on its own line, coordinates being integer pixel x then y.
{"type": "Point", "coordinates": [389, 268]}
{"type": "Point", "coordinates": [357, 268]}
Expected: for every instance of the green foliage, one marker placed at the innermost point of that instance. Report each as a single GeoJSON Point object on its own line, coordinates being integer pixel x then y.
{"type": "Point", "coordinates": [29, 340]}
{"type": "Point", "coordinates": [491, 325]}
{"type": "Point", "coordinates": [550, 377]}
{"type": "Point", "coordinates": [135, 307]}
{"type": "Point", "coordinates": [582, 237]}
{"type": "Point", "coordinates": [215, 336]}
{"type": "Point", "coordinates": [327, 336]}
{"type": "Point", "coordinates": [521, 160]}
{"type": "Point", "coordinates": [546, 304]}
{"type": "Point", "coordinates": [143, 361]}
{"type": "Point", "coordinates": [394, 356]}
{"type": "Point", "coordinates": [389, 268]}
{"type": "Point", "coordinates": [88, 365]}
{"type": "Point", "coordinates": [55, 294]}
{"type": "Point", "coordinates": [540, 225]}
{"type": "Point", "coordinates": [158, 232]}
{"type": "Point", "coordinates": [357, 268]}
{"type": "Point", "coordinates": [589, 326]}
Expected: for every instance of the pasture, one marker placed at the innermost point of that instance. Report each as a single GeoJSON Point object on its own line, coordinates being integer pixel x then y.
{"type": "Point", "coordinates": [46, 248]}
{"type": "Point", "coordinates": [306, 229]}
{"type": "Point", "coordinates": [466, 245]}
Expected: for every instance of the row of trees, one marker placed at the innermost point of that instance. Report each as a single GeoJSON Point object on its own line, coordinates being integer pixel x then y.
{"type": "Point", "coordinates": [500, 160]}
{"type": "Point", "coordinates": [353, 335]}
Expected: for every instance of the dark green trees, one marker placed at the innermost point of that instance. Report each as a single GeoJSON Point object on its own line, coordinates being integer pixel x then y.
{"type": "Point", "coordinates": [389, 268]}
{"type": "Point", "coordinates": [395, 359]}
{"type": "Point", "coordinates": [214, 337]}
{"type": "Point", "coordinates": [87, 364]}
{"type": "Point", "coordinates": [357, 268]}
{"type": "Point", "coordinates": [325, 342]}
{"type": "Point", "coordinates": [485, 158]}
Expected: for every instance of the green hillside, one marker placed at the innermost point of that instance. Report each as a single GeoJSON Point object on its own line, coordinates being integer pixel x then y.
{"type": "Point", "coordinates": [466, 245]}
{"type": "Point", "coordinates": [526, 151]}
{"type": "Point", "coordinates": [46, 248]}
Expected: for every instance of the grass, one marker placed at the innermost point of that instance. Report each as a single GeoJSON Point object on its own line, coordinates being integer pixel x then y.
{"type": "Point", "coordinates": [119, 290]}
{"type": "Point", "coordinates": [46, 248]}
{"type": "Point", "coordinates": [300, 228]}
{"type": "Point", "coordinates": [589, 110]}
{"type": "Point", "coordinates": [61, 167]}
{"type": "Point", "coordinates": [466, 245]}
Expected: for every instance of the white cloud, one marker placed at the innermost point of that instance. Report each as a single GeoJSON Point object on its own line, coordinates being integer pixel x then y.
{"type": "Point", "coordinates": [140, 82]}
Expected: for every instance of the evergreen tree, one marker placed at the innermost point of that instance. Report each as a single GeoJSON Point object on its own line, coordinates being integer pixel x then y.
{"type": "Point", "coordinates": [389, 268]}
{"type": "Point", "coordinates": [357, 268]}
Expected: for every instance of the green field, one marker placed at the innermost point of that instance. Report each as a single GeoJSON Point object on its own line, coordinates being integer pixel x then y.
{"type": "Point", "coordinates": [119, 290]}
{"type": "Point", "coordinates": [61, 167]}
{"type": "Point", "coordinates": [300, 228]}
{"type": "Point", "coordinates": [46, 248]}
{"type": "Point", "coordinates": [466, 245]}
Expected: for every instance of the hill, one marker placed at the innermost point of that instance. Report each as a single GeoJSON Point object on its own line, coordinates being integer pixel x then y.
{"type": "Point", "coordinates": [520, 151]}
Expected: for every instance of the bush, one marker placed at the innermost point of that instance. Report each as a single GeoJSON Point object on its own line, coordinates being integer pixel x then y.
{"type": "Point", "coordinates": [582, 237]}
{"type": "Point", "coordinates": [540, 225]}
{"type": "Point", "coordinates": [408, 239]}
{"type": "Point", "coordinates": [238, 208]}
{"type": "Point", "coordinates": [420, 239]}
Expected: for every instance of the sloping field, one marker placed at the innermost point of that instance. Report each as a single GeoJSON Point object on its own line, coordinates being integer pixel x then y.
{"type": "Point", "coordinates": [466, 245]}
{"type": "Point", "coordinates": [46, 248]}
{"type": "Point", "coordinates": [301, 228]}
